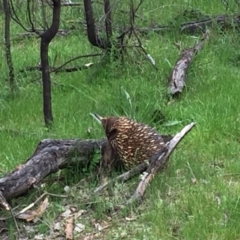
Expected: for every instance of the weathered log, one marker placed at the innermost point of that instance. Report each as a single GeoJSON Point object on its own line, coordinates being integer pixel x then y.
{"type": "Point", "coordinates": [49, 156]}
{"type": "Point", "coordinates": [179, 72]}
{"type": "Point", "coordinates": [158, 162]}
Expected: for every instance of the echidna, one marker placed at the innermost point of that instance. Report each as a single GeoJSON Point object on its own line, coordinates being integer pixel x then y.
{"type": "Point", "coordinates": [134, 142]}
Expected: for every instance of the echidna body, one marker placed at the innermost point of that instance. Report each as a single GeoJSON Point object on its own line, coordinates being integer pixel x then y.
{"type": "Point", "coordinates": [134, 142]}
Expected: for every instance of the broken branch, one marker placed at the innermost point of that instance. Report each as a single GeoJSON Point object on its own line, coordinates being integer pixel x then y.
{"type": "Point", "coordinates": [179, 72]}
{"type": "Point", "coordinates": [49, 156]}
{"type": "Point", "coordinates": [158, 161]}
{"type": "Point", "coordinates": [124, 177]}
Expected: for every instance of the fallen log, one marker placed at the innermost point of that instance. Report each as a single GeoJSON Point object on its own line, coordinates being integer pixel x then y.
{"type": "Point", "coordinates": [179, 72]}
{"type": "Point", "coordinates": [49, 156]}
{"type": "Point", "coordinates": [158, 162]}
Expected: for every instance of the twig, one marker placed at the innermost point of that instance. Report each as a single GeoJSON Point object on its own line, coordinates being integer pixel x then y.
{"type": "Point", "coordinates": [73, 59]}
{"type": "Point", "coordinates": [149, 57]}
{"type": "Point", "coordinates": [14, 16]}
{"type": "Point", "coordinates": [138, 6]}
{"type": "Point", "coordinates": [29, 16]}
{"type": "Point", "coordinates": [38, 199]}
{"type": "Point", "coordinates": [69, 69]}
{"type": "Point", "coordinates": [133, 31]}
{"type": "Point", "coordinates": [71, 4]}
{"type": "Point", "coordinates": [4, 204]}
{"type": "Point", "coordinates": [14, 215]}
{"type": "Point", "coordinates": [158, 161]}
{"type": "Point", "coordinates": [124, 177]}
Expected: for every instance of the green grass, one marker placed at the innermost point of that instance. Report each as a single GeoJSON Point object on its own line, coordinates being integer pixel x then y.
{"type": "Point", "coordinates": [197, 196]}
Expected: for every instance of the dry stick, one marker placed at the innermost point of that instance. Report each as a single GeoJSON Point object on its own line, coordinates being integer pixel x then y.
{"type": "Point", "coordinates": [73, 59]}
{"type": "Point", "coordinates": [39, 199]}
{"type": "Point", "coordinates": [123, 177]}
{"type": "Point", "coordinates": [149, 57]}
{"type": "Point", "coordinates": [179, 72]}
{"type": "Point", "coordinates": [53, 70]}
{"type": "Point", "coordinates": [15, 215]}
{"type": "Point", "coordinates": [70, 69]}
{"type": "Point", "coordinates": [158, 162]}
{"type": "Point", "coordinates": [4, 204]}
{"type": "Point", "coordinates": [133, 30]}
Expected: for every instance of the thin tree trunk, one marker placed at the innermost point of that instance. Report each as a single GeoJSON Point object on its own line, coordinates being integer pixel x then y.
{"type": "Point", "coordinates": [8, 45]}
{"type": "Point", "coordinates": [108, 19]}
{"type": "Point", "coordinates": [46, 38]}
{"type": "Point", "coordinates": [93, 37]}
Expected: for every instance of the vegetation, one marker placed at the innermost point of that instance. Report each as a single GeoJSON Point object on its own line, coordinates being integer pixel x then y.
{"type": "Point", "coordinates": [197, 196]}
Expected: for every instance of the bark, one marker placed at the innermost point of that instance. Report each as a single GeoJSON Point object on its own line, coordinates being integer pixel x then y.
{"type": "Point", "coordinates": [49, 156]}
{"type": "Point", "coordinates": [8, 45]}
{"type": "Point", "coordinates": [46, 38]}
{"type": "Point", "coordinates": [179, 72]}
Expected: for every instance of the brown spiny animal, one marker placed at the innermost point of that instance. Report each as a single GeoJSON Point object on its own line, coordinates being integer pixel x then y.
{"type": "Point", "coordinates": [134, 142]}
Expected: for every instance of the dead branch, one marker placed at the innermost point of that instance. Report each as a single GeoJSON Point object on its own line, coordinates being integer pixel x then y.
{"type": "Point", "coordinates": [58, 69]}
{"type": "Point", "coordinates": [15, 17]}
{"type": "Point", "coordinates": [61, 69]}
{"type": "Point", "coordinates": [18, 214]}
{"type": "Point", "coordinates": [3, 203]}
{"type": "Point", "coordinates": [124, 177]}
{"type": "Point", "coordinates": [49, 156]}
{"type": "Point", "coordinates": [158, 162]}
{"type": "Point", "coordinates": [74, 69]}
{"type": "Point", "coordinates": [132, 31]}
{"type": "Point", "coordinates": [6, 206]}
{"type": "Point", "coordinates": [61, 32]}
{"type": "Point", "coordinates": [179, 72]}
{"type": "Point", "coordinates": [109, 154]}
{"type": "Point", "coordinates": [72, 4]}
